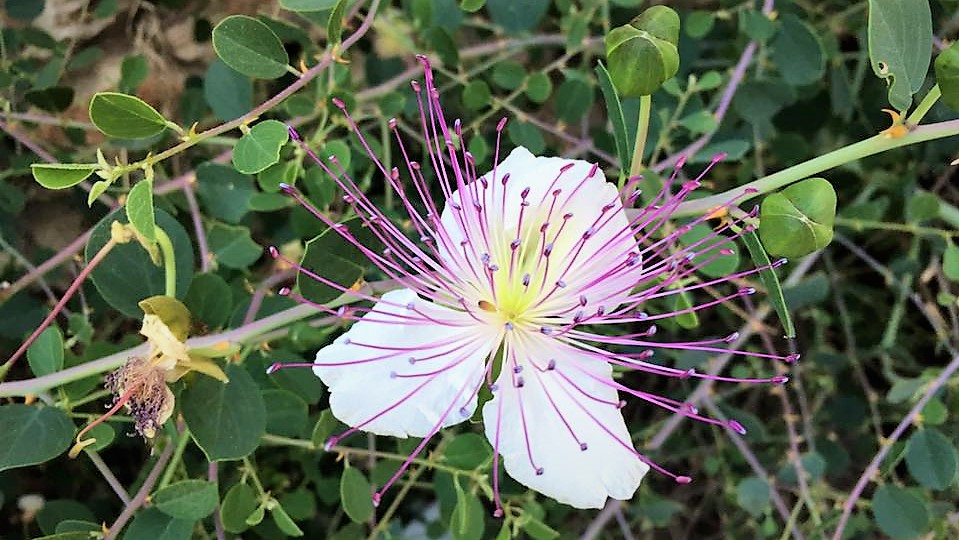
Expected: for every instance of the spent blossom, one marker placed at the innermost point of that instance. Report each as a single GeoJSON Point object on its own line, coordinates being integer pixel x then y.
{"type": "Point", "coordinates": [530, 281]}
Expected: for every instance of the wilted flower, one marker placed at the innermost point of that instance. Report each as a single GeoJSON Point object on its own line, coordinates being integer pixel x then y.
{"type": "Point", "coordinates": [141, 384]}
{"type": "Point", "coordinates": [507, 290]}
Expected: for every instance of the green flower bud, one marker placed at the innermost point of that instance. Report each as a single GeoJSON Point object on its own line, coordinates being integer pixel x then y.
{"type": "Point", "coordinates": [642, 55]}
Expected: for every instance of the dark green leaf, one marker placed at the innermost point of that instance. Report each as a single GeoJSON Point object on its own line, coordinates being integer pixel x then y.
{"type": "Point", "coordinates": [723, 264]}
{"type": "Point", "coordinates": [286, 414]}
{"type": "Point", "coordinates": [260, 147]}
{"type": "Point", "coordinates": [224, 192]}
{"type": "Point", "coordinates": [573, 98]}
{"type": "Point", "coordinates": [232, 245]}
{"type": "Point", "coordinates": [467, 451]}
{"type": "Point", "coordinates": [133, 71]}
{"type": "Point", "coordinates": [931, 458]}
{"type": "Point", "coordinates": [335, 259]}
{"type": "Point", "coordinates": [187, 499]}
{"type": "Point", "coordinates": [32, 434]}
{"type": "Point", "coordinates": [61, 175]}
{"type": "Point", "coordinates": [24, 10]}
{"type": "Point", "coordinates": [947, 75]}
{"type": "Point", "coordinates": [250, 47]}
{"type": "Point", "coordinates": [539, 87]}
{"type": "Point", "coordinates": [284, 522]}
{"type": "Point", "coordinates": [356, 495]}
{"type": "Point", "coordinates": [537, 530]}
{"type": "Point", "coordinates": [152, 524]}
{"type": "Point", "coordinates": [237, 506]}
{"type": "Point", "coordinates": [209, 300]}
{"type": "Point", "coordinates": [125, 117]}
{"type": "Point", "coordinates": [57, 511]}
{"type": "Point", "coordinates": [127, 274]}
{"type": "Point", "coordinates": [798, 52]}
{"type": "Point", "coordinates": [752, 494]}
{"type": "Point", "coordinates": [517, 16]}
{"type": "Point", "coordinates": [45, 355]}
{"type": "Point", "coordinates": [899, 513]}
{"type": "Point", "coordinates": [472, 6]}
{"type": "Point", "coordinates": [950, 262]}
{"type": "Point", "coordinates": [53, 99]}
{"type": "Point", "coordinates": [226, 420]}
{"type": "Point", "coordinates": [228, 93]}
{"type": "Point", "coordinates": [334, 25]}
{"type": "Point", "coordinates": [323, 429]}
{"type": "Point", "coordinates": [900, 42]}
{"type": "Point", "coordinates": [468, 520]}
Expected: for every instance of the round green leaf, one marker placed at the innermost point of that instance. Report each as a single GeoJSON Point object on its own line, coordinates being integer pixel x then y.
{"type": "Point", "coordinates": [123, 116]}
{"type": "Point", "coordinates": [127, 275]}
{"type": "Point", "coordinates": [287, 413]}
{"type": "Point", "coordinates": [799, 219]}
{"type": "Point", "coordinates": [947, 75]}
{"type": "Point", "coordinates": [61, 175]}
{"type": "Point", "coordinates": [228, 93]}
{"type": "Point", "coordinates": [139, 209]}
{"type": "Point", "coordinates": [573, 99]}
{"type": "Point", "coordinates": [152, 524]}
{"type": "Point", "coordinates": [356, 495]}
{"type": "Point", "coordinates": [336, 260]}
{"type": "Point", "coordinates": [232, 246]}
{"type": "Point", "coordinates": [224, 192]}
{"type": "Point", "coordinates": [209, 300]}
{"type": "Point", "coordinates": [187, 499]}
{"type": "Point", "coordinates": [237, 506]}
{"type": "Point", "coordinates": [226, 420]}
{"type": "Point", "coordinates": [250, 47]}
{"type": "Point", "coordinates": [472, 6]}
{"type": "Point", "coordinates": [798, 52]}
{"type": "Point", "coordinates": [476, 95]}
{"type": "Point", "coordinates": [467, 451]}
{"type": "Point", "coordinates": [32, 434]}
{"type": "Point", "coordinates": [45, 355]}
{"type": "Point", "coordinates": [931, 458]}
{"type": "Point", "coordinates": [752, 494]}
{"type": "Point", "coordinates": [260, 147]}
{"type": "Point", "coordinates": [538, 87]}
{"type": "Point", "coordinates": [899, 513]}
{"type": "Point", "coordinates": [515, 16]}
{"type": "Point", "coordinates": [57, 511]}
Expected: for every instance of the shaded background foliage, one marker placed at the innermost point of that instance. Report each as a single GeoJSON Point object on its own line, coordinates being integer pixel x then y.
{"type": "Point", "coordinates": [875, 310]}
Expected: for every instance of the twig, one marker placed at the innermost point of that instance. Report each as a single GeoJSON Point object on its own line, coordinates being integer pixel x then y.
{"type": "Point", "coordinates": [213, 476]}
{"type": "Point", "coordinates": [108, 476]}
{"type": "Point", "coordinates": [265, 286]}
{"type": "Point", "coordinates": [24, 262]}
{"type": "Point", "coordinates": [141, 495]}
{"type": "Point", "coordinates": [197, 219]}
{"type": "Point", "coordinates": [63, 301]}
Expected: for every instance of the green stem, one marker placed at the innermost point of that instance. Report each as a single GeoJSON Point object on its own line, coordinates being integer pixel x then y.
{"type": "Point", "coordinates": [927, 102]}
{"type": "Point", "coordinates": [175, 460]}
{"type": "Point", "coordinates": [169, 262]}
{"type": "Point", "coordinates": [642, 132]}
{"type": "Point", "coordinates": [868, 147]}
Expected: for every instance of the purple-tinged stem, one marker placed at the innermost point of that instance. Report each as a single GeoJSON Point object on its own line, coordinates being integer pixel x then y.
{"type": "Point", "coordinates": [96, 260]}
{"type": "Point", "coordinates": [142, 494]}
{"type": "Point", "coordinates": [212, 474]}
{"type": "Point", "coordinates": [197, 219]}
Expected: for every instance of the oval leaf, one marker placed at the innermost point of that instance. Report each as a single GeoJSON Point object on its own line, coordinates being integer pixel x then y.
{"type": "Point", "coordinates": [335, 259]}
{"type": "Point", "coordinates": [799, 219]}
{"type": "Point", "coordinates": [226, 420]}
{"type": "Point", "coordinates": [356, 495]}
{"type": "Point", "coordinates": [61, 175]}
{"type": "Point", "coordinates": [237, 506]}
{"type": "Point", "coordinates": [250, 47]}
{"type": "Point", "coordinates": [139, 209]}
{"type": "Point", "coordinates": [899, 513]}
{"type": "Point", "coordinates": [932, 459]}
{"type": "Point", "coordinates": [124, 116]}
{"type": "Point", "coordinates": [152, 524]}
{"type": "Point", "coordinates": [45, 355]}
{"type": "Point", "coordinates": [260, 147]}
{"type": "Point", "coordinates": [187, 499]}
{"type": "Point", "coordinates": [900, 42]}
{"type": "Point", "coordinates": [32, 434]}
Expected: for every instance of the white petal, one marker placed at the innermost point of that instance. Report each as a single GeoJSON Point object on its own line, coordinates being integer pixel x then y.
{"type": "Point", "coordinates": [580, 478]}
{"type": "Point", "coordinates": [360, 390]}
{"type": "Point", "coordinates": [581, 195]}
